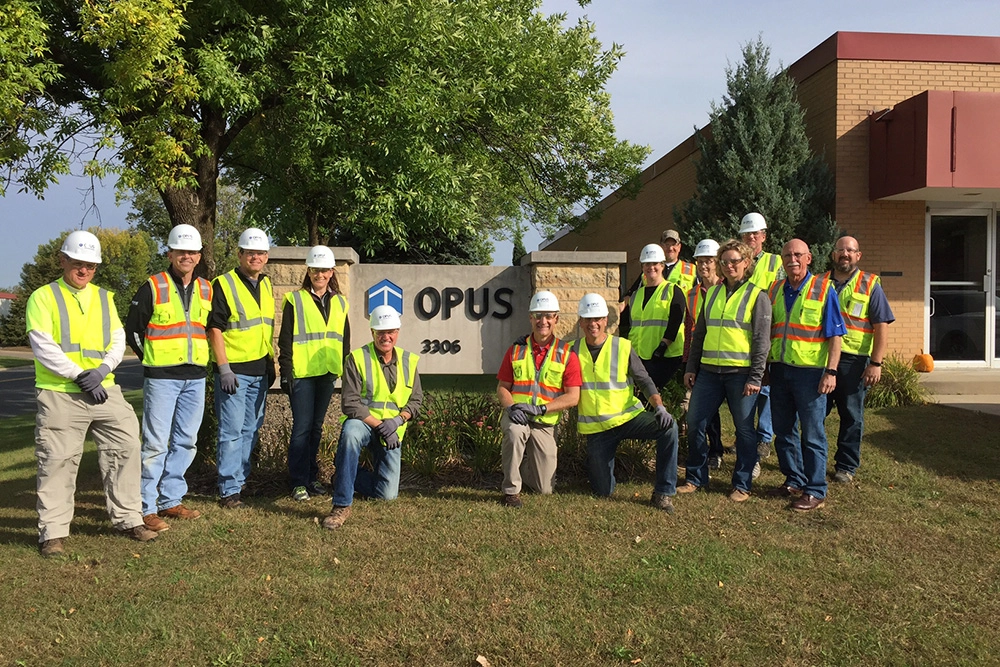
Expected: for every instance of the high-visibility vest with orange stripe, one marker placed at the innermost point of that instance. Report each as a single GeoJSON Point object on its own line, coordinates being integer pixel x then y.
{"type": "Point", "coordinates": [854, 301]}
{"type": "Point", "coordinates": [174, 336]}
{"type": "Point", "coordinates": [539, 386]}
{"type": "Point", "coordinates": [797, 337]}
{"type": "Point", "coordinates": [684, 274]}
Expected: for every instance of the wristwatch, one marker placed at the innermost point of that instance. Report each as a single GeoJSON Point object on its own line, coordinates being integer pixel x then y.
{"type": "Point", "coordinates": [876, 364]}
{"type": "Point", "coordinates": [830, 371]}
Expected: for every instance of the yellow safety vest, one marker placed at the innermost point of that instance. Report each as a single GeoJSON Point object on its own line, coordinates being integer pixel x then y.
{"type": "Point", "coordinates": [797, 339]}
{"type": "Point", "coordinates": [854, 301]}
{"type": "Point", "coordinates": [375, 394]}
{"type": "Point", "coordinates": [684, 274]}
{"type": "Point", "coordinates": [317, 344]}
{"type": "Point", "coordinates": [173, 336]}
{"type": "Point", "coordinates": [539, 386]}
{"type": "Point", "coordinates": [607, 399]}
{"type": "Point", "coordinates": [84, 337]}
{"type": "Point", "coordinates": [250, 333]}
{"type": "Point", "coordinates": [765, 270]}
{"type": "Point", "coordinates": [649, 321]}
{"type": "Point", "coordinates": [729, 331]}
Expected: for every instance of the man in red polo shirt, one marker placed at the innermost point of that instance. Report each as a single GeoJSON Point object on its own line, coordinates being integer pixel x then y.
{"type": "Point", "coordinates": [537, 379]}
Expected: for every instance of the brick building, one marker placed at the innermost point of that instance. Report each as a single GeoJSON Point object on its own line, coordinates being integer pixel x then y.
{"type": "Point", "coordinates": [910, 125]}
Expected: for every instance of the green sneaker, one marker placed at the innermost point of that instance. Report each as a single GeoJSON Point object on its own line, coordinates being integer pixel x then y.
{"type": "Point", "coordinates": [300, 493]}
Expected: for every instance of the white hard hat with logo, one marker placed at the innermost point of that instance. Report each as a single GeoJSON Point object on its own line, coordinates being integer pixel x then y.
{"type": "Point", "coordinates": [706, 248]}
{"type": "Point", "coordinates": [320, 257]}
{"type": "Point", "coordinates": [544, 302]}
{"type": "Point", "coordinates": [384, 318]}
{"type": "Point", "coordinates": [592, 305]}
{"type": "Point", "coordinates": [254, 239]}
{"type": "Point", "coordinates": [752, 222]}
{"type": "Point", "coordinates": [652, 253]}
{"type": "Point", "coordinates": [82, 246]}
{"type": "Point", "coordinates": [184, 237]}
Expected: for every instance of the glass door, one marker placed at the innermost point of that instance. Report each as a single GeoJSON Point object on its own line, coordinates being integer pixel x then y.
{"type": "Point", "coordinates": [962, 288]}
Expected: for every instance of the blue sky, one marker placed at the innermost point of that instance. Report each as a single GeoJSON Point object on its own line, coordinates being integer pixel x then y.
{"type": "Point", "coordinates": [676, 55]}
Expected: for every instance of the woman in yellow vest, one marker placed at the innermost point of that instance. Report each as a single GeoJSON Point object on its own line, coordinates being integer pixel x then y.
{"type": "Point", "coordinates": [657, 316]}
{"type": "Point", "coordinates": [728, 354]}
{"type": "Point", "coordinates": [311, 346]}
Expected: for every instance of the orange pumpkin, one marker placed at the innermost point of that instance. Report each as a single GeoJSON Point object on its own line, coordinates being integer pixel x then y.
{"type": "Point", "coordinates": [923, 363]}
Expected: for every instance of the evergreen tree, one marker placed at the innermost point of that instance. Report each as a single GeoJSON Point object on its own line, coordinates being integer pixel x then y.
{"type": "Point", "coordinates": [519, 249]}
{"type": "Point", "coordinates": [756, 157]}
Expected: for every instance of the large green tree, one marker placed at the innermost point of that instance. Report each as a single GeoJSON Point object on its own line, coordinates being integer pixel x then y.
{"type": "Point", "coordinates": [395, 122]}
{"type": "Point", "coordinates": [756, 157]}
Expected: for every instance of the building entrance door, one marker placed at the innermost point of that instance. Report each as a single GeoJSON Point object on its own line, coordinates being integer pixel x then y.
{"type": "Point", "coordinates": [963, 288]}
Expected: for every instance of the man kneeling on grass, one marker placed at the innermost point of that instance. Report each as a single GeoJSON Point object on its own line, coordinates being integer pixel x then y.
{"type": "Point", "coordinates": [609, 412]}
{"type": "Point", "coordinates": [381, 393]}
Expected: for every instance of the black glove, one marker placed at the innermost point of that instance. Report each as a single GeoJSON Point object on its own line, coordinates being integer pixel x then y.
{"type": "Point", "coordinates": [227, 379]}
{"type": "Point", "coordinates": [523, 340]}
{"type": "Point", "coordinates": [663, 418]}
{"type": "Point", "coordinates": [287, 385]}
{"type": "Point", "coordinates": [388, 427]}
{"type": "Point", "coordinates": [660, 350]}
{"type": "Point", "coordinates": [532, 410]}
{"type": "Point", "coordinates": [517, 415]}
{"type": "Point", "coordinates": [272, 375]}
{"type": "Point", "coordinates": [98, 395]}
{"type": "Point", "coordinates": [391, 441]}
{"type": "Point", "coordinates": [92, 379]}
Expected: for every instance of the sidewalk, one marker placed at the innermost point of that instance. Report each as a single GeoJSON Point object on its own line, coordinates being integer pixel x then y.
{"type": "Point", "coordinates": [977, 390]}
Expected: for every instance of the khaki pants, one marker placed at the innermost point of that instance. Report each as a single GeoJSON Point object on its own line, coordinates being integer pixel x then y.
{"type": "Point", "coordinates": [535, 446]}
{"type": "Point", "coordinates": [60, 428]}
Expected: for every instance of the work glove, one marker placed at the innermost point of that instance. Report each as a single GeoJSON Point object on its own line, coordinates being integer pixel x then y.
{"type": "Point", "coordinates": [532, 410]}
{"type": "Point", "coordinates": [523, 340]}
{"type": "Point", "coordinates": [660, 350]}
{"type": "Point", "coordinates": [663, 418]}
{"type": "Point", "coordinates": [91, 379]}
{"type": "Point", "coordinates": [227, 379]}
{"type": "Point", "coordinates": [272, 375]}
{"type": "Point", "coordinates": [391, 440]}
{"type": "Point", "coordinates": [516, 415]}
{"type": "Point", "coordinates": [388, 427]}
{"type": "Point", "coordinates": [287, 385]}
{"type": "Point", "coordinates": [98, 395]}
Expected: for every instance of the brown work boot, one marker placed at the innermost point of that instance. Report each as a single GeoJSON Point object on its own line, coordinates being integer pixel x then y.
{"type": "Point", "coordinates": [51, 548]}
{"type": "Point", "coordinates": [155, 523]}
{"type": "Point", "coordinates": [232, 502]}
{"type": "Point", "coordinates": [739, 496]}
{"type": "Point", "coordinates": [140, 533]}
{"type": "Point", "coordinates": [511, 500]}
{"type": "Point", "coordinates": [336, 518]}
{"type": "Point", "coordinates": [687, 487]}
{"type": "Point", "coordinates": [784, 491]}
{"type": "Point", "coordinates": [807, 503]}
{"type": "Point", "coordinates": [180, 512]}
{"type": "Point", "coordinates": [662, 502]}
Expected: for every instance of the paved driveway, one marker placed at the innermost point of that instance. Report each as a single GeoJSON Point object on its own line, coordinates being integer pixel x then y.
{"type": "Point", "coordinates": [17, 386]}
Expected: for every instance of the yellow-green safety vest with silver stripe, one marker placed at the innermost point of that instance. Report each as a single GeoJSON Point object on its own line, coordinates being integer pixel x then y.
{"type": "Point", "coordinates": [317, 345]}
{"type": "Point", "coordinates": [765, 270]}
{"type": "Point", "coordinates": [728, 328]}
{"type": "Point", "coordinates": [683, 274]}
{"type": "Point", "coordinates": [250, 333]}
{"type": "Point", "coordinates": [174, 336]}
{"type": "Point", "coordinates": [797, 338]}
{"type": "Point", "coordinates": [607, 398]}
{"type": "Point", "coordinates": [649, 321]}
{"type": "Point", "coordinates": [375, 394]}
{"type": "Point", "coordinates": [83, 337]}
{"type": "Point", "coordinates": [854, 301]}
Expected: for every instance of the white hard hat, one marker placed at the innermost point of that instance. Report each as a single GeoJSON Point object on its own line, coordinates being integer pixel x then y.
{"type": "Point", "coordinates": [82, 246]}
{"type": "Point", "coordinates": [320, 257]}
{"type": "Point", "coordinates": [752, 222]}
{"type": "Point", "coordinates": [544, 302]}
{"type": "Point", "coordinates": [184, 237]}
{"type": "Point", "coordinates": [254, 239]}
{"type": "Point", "coordinates": [384, 318]}
{"type": "Point", "coordinates": [652, 253]}
{"type": "Point", "coordinates": [706, 248]}
{"type": "Point", "coordinates": [592, 305]}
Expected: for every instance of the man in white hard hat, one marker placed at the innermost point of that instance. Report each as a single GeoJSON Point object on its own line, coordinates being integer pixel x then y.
{"type": "Point", "coordinates": [675, 270]}
{"type": "Point", "coordinates": [609, 412]}
{"type": "Point", "coordinates": [656, 314]}
{"type": "Point", "coordinates": [537, 380]}
{"type": "Point", "coordinates": [165, 327]}
{"type": "Point", "coordinates": [867, 316]}
{"type": "Point", "coordinates": [241, 336]}
{"type": "Point", "coordinates": [78, 341]}
{"type": "Point", "coordinates": [381, 393]}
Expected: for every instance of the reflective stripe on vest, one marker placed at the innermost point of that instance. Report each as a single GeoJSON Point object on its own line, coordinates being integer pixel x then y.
{"type": "Point", "coordinates": [765, 270]}
{"type": "Point", "coordinates": [65, 343]}
{"type": "Point", "coordinates": [649, 322]}
{"type": "Point", "coordinates": [317, 344]}
{"type": "Point", "coordinates": [375, 394]}
{"type": "Point", "coordinates": [683, 274]}
{"type": "Point", "coordinates": [539, 386]}
{"type": "Point", "coordinates": [607, 399]}
{"type": "Point", "coordinates": [728, 322]}
{"type": "Point", "coordinates": [176, 336]}
{"type": "Point", "coordinates": [249, 335]}
{"type": "Point", "coordinates": [797, 338]}
{"type": "Point", "coordinates": [854, 298]}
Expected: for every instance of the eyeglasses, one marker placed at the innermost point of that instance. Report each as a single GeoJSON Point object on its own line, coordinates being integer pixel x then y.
{"type": "Point", "coordinates": [793, 255]}
{"type": "Point", "coordinates": [254, 253]}
{"type": "Point", "coordinates": [732, 262]}
{"type": "Point", "coordinates": [758, 233]}
{"type": "Point", "coordinates": [82, 266]}
{"type": "Point", "coordinates": [845, 251]}
{"type": "Point", "coordinates": [316, 269]}
{"type": "Point", "coordinates": [545, 316]}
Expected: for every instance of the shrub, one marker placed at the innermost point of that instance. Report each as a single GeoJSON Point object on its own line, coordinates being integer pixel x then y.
{"type": "Point", "coordinates": [900, 385]}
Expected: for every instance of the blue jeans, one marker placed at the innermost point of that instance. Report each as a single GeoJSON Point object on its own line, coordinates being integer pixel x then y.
{"type": "Point", "coordinates": [350, 478]}
{"type": "Point", "coordinates": [795, 393]}
{"type": "Point", "coordinates": [601, 448]}
{"type": "Point", "coordinates": [849, 397]}
{"type": "Point", "coordinates": [765, 431]}
{"type": "Point", "coordinates": [309, 398]}
{"type": "Point", "coordinates": [171, 416]}
{"type": "Point", "coordinates": [710, 389]}
{"type": "Point", "coordinates": [240, 418]}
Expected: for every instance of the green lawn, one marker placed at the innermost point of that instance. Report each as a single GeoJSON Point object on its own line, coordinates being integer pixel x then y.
{"type": "Point", "coordinates": [899, 568]}
{"type": "Point", "coordinates": [12, 362]}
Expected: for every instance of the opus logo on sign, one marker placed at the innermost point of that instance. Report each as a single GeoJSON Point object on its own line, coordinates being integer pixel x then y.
{"type": "Point", "coordinates": [385, 293]}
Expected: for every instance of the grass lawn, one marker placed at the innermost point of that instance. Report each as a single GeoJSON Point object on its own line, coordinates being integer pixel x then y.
{"type": "Point", "coordinates": [12, 362]}
{"type": "Point", "coordinates": [898, 568]}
